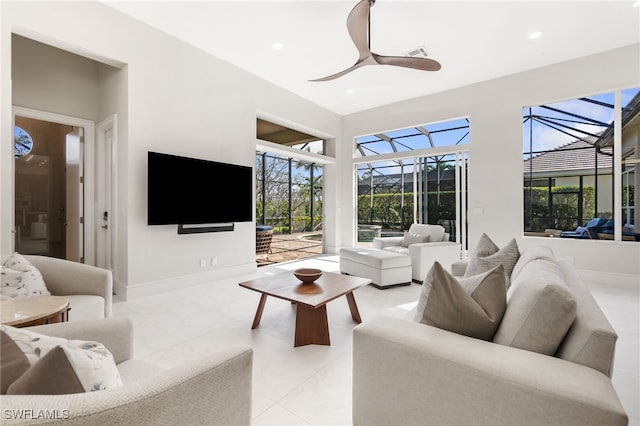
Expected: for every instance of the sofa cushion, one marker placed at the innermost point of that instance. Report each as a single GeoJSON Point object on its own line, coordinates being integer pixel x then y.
{"type": "Point", "coordinates": [532, 253]}
{"type": "Point", "coordinates": [61, 366]}
{"type": "Point", "coordinates": [472, 306]}
{"type": "Point", "coordinates": [20, 278]}
{"type": "Point", "coordinates": [488, 255]}
{"type": "Point", "coordinates": [13, 361]}
{"type": "Point", "coordinates": [398, 249]}
{"type": "Point", "coordinates": [591, 340]}
{"type": "Point", "coordinates": [85, 307]}
{"type": "Point", "coordinates": [540, 309]}
{"type": "Point", "coordinates": [410, 238]}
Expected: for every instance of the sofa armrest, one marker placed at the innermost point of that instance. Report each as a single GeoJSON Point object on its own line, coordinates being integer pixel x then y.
{"type": "Point", "coordinates": [116, 334]}
{"type": "Point", "coordinates": [64, 278]}
{"type": "Point", "coordinates": [405, 372]}
{"type": "Point", "coordinates": [459, 268]}
{"type": "Point", "coordinates": [382, 242]}
{"type": "Point", "coordinates": [423, 255]}
{"type": "Point", "coordinates": [215, 390]}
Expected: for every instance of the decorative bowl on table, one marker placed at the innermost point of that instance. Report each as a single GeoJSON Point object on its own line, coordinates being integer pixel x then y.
{"type": "Point", "coordinates": [307, 275]}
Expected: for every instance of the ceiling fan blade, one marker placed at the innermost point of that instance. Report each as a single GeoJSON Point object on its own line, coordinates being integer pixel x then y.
{"type": "Point", "coordinates": [343, 72]}
{"type": "Point", "coordinates": [423, 64]}
{"type": "Point", "coordinates": [358, 27]}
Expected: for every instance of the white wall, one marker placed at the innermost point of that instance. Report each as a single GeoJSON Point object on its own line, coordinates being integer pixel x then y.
{"type": "Point", "coordinates": [179, 100]}
{"type": "Point", "coordinates": [166, 87]}
{"type": "Point", "coordinates": [494, 109]}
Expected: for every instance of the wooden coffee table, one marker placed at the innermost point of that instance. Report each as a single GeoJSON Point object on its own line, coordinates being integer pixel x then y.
{"type": "Point", "coordinates": [311, 301]}
{"type": "Point", "coordinates": [35, 310]}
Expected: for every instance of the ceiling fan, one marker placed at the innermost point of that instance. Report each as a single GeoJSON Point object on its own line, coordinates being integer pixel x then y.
{"type": "Point", "coordinates": [359, 27]}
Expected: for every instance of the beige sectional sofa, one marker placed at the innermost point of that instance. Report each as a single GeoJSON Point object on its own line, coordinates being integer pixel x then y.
{"type": "Point", "coordinates": [406, 372]}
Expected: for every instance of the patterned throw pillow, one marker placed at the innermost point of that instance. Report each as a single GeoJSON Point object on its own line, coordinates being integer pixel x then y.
{"type": "Point", "coordinates": [471, 306]}
{"type": "Point", "coordinates": [19, 278]}
{"type": "Point", "coordinates": [488, 255]}
{"type": "Point", "coordinates": [61, 366]}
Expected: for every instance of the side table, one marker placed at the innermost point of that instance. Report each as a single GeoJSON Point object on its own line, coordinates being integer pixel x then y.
{"type": "Point", "coordinates": [36, 310]}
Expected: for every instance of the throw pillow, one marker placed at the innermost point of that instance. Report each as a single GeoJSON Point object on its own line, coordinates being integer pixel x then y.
{"type": "Point", "coordinates": [488, 255]}
{"type": "Point", "coordinates": [472, 306]}
{"type": "Point", "coordinates": [61, 366]}
{"type": "Point", "coordinates": [410, 238]}
{"type": "Point", "coordinates": [13, 362]}
{"type": "Point", "coordinates": [540, 309]}
{"type": "Point", "coordinates": [20, 278]}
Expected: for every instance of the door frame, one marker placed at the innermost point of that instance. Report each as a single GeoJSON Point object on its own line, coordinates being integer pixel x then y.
{"type": "Point", "coordinates": [89, 171]}
{"type": "Point", "coordinates": [106, 150]}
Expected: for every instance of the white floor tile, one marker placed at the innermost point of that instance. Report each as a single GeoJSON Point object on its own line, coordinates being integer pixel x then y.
{"type": "Point", "coordinates": [277, 416]}
{"type": "Point", "coordinates": [312, 384]}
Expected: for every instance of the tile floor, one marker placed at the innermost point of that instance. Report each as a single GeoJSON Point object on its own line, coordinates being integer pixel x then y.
{"type": "Point", "coordinates": [311, 385]}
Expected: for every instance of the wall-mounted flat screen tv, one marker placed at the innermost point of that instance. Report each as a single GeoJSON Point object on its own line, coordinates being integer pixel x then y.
{"type": "Point", "coordinates": [190, 191]}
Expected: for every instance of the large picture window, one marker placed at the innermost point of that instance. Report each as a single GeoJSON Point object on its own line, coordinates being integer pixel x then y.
{"type": "Point", "coordinates": [413, 175]}
{"type": "Point", "coordinates": [580, 157]}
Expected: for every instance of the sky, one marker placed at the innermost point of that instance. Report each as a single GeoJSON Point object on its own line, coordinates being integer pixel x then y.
{"type": "Point", "coordinates": [545, 137]}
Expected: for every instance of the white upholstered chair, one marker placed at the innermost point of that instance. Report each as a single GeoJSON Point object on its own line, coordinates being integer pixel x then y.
{"type": "Point", "coordinates": [88, 288]}
{"type": "Point", "coordinates": [425, 244]}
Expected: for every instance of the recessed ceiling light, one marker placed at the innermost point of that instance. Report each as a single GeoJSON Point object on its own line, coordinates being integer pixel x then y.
{"type": "Point", "coordinates": [277, 45]}
{"type": "Point", "coordinates": [636, 4]}
{"type": "Point", "coordinates": [534, 35]}
{"type": "Point", "coordinates": [351, 91]}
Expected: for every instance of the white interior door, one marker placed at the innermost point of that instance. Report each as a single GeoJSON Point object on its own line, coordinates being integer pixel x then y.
{"type": "Point", "coordinates": [74, 232]}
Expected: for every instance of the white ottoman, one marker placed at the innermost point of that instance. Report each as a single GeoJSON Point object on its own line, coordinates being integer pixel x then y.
{"type": "Point", "coordinates": [384, 268]}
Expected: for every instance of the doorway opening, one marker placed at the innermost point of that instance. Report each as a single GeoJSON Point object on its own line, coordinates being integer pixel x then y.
{"type": "Point", "coordinates": [289, 192]}
{"type": "Point", "coordinates": [49, 185]}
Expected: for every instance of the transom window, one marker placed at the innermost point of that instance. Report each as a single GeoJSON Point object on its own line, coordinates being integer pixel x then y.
{"type": "Point", "coordinates": [447, 133]}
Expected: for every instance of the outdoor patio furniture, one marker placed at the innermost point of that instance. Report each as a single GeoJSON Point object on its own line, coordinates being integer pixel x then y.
{"type": "Point", "coordinates": [628, 234]}
{"type": "Point", "coordinates": [588, 231]}
{"type": "Point", "coordinates": [264, 235]}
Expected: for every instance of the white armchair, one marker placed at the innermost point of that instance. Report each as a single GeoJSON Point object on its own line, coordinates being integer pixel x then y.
{"type": "Point", "coordinates": [436, 247]}
{"type": "Point", "coordinates": [88, 288]}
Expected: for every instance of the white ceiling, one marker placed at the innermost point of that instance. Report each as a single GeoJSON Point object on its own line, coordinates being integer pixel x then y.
{"type": "Point", "coordinates": [473, 40]}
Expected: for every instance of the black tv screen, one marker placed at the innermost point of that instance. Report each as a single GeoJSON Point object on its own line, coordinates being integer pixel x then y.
{"type": "Point", "coordinates": [190, 191]}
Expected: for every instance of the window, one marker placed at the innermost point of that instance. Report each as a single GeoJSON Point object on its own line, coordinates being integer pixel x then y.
{"type": "Point", "coordinates": [22, 142]}
{"type": "Point", "coordinates": [571, 168]}
{"type": "Point", "coordinates": [281, 135]}
{"type": "Point", "coordinates": [288, 194]}
{"type": "Point", "coordinates": [421, 180]}
{"type": "Point", "coordinates": [448, 133]}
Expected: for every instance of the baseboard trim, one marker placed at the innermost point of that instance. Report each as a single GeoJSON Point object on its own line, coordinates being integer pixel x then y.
{"type": "Point", "coordinates": [612, 279]}
{"type": "Point", "coordinates": [150, 288]}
